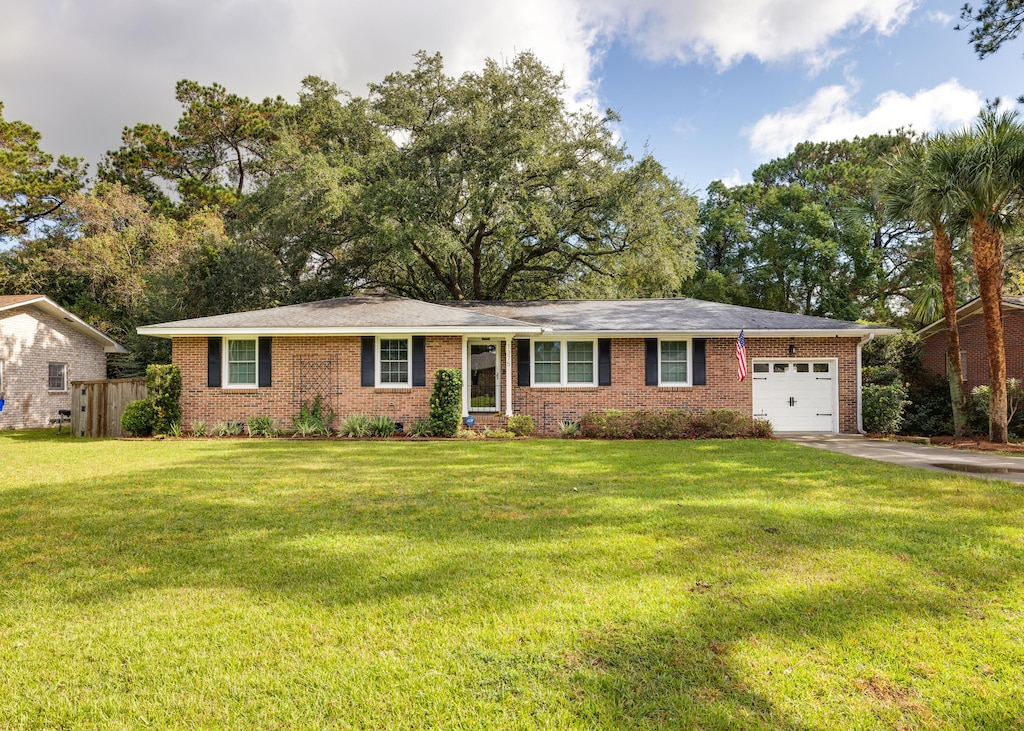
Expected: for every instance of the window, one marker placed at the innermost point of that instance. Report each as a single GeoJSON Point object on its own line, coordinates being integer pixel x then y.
{"type": "Point", "coordinates": [821, 367]}
{"type": "Point", "coordinates": [802, 367]}
{"type": "Point", "coordinates": [673, 363]}
{"type": "Point", "coordinates": [393, 362]}
{"type": "Point", "coordinates": [760, 367]}
{"type": "Point", "coordinates": [564, 363]}
{"type": "Point", "coordinates": [579, 362]}
{"type": "Point", "coordinates": [780, 367]}
{"type": "Point", "coordinates": [241, 363]}
{"type": "Point", "coordinates": [57, 377]}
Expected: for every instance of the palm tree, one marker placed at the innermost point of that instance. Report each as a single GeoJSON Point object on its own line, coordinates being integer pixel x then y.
{"type": "Point", "coordinates": [912, 191]}
{"type": "Point", "coordinates": [984, 169]}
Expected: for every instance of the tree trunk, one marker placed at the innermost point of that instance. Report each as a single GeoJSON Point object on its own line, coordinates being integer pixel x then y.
{"type": "Point", "coordinates": [987, 245]}
{"type": "Point", "coordinates": [957, 391]}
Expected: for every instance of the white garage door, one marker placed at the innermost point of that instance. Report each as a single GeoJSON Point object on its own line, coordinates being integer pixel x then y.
{"type": "Point", "coordinates": [796, 395]}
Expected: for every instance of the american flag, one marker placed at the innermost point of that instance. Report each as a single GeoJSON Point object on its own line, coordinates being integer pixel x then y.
{"type": "Point", "coordinates": [741, 356]}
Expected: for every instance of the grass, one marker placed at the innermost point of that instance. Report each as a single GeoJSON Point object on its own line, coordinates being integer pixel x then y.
{"type": "Point", "coordinates": [528, 584]}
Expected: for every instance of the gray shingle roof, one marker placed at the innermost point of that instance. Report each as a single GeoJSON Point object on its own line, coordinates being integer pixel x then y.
{"type": "Point", "coordinates": [355, 312]}
{"type": "Point", "coordinates": [383, 312]}
{"type": "Point", "coordinates": [655, 315]}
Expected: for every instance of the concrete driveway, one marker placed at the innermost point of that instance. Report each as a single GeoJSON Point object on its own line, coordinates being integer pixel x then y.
{"type": "Point", "coordinates": [975, 464]}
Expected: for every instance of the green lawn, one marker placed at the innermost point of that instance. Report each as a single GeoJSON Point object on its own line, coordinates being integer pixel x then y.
{"type": "Point", "coordinates": [528, 584]}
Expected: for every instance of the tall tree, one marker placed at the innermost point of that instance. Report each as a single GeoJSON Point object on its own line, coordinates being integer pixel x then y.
{"type": "Point", "coordinates": [494, 188]}
{"type": "Point", "coordinates": [992, 24]}
{"type": "Point", "coordinates": [31, 186]}
{"type": "Point", "coordinates": [214, 153]}
{"type": "Point", "coordinates": [914, 190]}
{"type": "Point", "coordinates": [984, 169]}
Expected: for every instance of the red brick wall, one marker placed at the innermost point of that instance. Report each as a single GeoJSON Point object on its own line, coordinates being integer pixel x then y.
{"type": "Point", "coordinates": [547, 406]}
{"type": "Point", "coordinates": [341, 378]}
{"type": "Point", "coordinates": [972, 340]}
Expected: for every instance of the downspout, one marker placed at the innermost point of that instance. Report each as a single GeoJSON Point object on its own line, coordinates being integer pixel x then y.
{"type": "Point", "coordinates": [860, 407]}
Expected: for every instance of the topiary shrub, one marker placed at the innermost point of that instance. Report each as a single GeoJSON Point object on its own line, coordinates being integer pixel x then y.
{"type": "Point", "coordinates": [139, 417]}
{"type": "Point", "coordinates": [883, 406]}
{"type": "Point", "coordinates": [521, 425]}
{"type": "Point", "coordinates": [446, 402]}
{"type": "Point", "coordinates": [163, 389]}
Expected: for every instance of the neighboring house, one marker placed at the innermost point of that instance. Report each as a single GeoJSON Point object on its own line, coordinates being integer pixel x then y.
{"type": "Point", "coordinates": [973, 345]}
{"type": "Point", "coordinates": [554, 360]}
{"type": "Point", "coordinates": [43, 347]}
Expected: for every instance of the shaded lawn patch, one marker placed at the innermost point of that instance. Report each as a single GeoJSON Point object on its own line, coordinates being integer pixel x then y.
{"type": "Point", "coordinates": [530, 584]}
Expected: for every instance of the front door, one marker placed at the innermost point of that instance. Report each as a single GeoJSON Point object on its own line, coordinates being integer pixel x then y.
{"type": "Point", "coordinates": [484, 385]}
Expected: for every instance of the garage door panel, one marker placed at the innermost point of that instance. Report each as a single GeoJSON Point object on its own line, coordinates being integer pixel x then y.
{"type": "Point", "coordinates": [795, 395]}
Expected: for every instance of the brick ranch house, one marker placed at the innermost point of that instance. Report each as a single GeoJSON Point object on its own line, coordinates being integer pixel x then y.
{"type": "Point", "coordinates": [554, 360]}
{"type": "Point", "coordinates": [42, 348]}
{"type": "Point", "coordinates": [973, 344]}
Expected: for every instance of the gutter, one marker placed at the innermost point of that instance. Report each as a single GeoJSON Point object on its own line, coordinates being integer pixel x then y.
{"type": "Point", "coordinates": [860, 378]}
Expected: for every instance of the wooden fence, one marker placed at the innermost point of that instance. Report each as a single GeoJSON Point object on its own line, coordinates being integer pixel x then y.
{"type": "Point", "coordinates": [97, 406]}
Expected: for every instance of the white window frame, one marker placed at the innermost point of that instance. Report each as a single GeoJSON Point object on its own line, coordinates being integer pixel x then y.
{"type": "Point", "coordinates": [376, 361]}
{"type": "Point", "coordinates": [64, 377]}
{"type": "Point", "coordinates": [689, 362]}
{"type": "Point", "coordinates": [226, 365]}
{"type": "Point", "coordinates": [563, 352]}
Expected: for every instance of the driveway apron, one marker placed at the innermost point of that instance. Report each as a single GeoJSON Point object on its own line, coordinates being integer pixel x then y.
{"type": "Point", "coordinates": [974, 464]}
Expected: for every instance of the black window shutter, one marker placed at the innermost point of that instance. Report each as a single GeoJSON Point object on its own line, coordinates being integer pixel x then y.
{"type": "Point", "coordinates": [651, 362]}
{"type": "Point", "coordinates": [700, 377]}
{"type": "Point", "coordinates": [213, 362]}
{"type": "Point", "coordinates": [265, 368]}
{"type": "Point", "coordinates": [604, 361]}
{"type": "Point", "coordinates": [523, 362]}
{"type": "Point", "coordinates": [419, 360]}
{"type": "Point", "coordinates": [368, 365]}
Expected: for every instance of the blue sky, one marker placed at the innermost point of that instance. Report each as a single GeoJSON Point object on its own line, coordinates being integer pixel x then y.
{"type": "Point", "coordinates": [713, 87]}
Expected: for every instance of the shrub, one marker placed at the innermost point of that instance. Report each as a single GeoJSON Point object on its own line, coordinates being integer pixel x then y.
{"type": "Point", "coordinates": [499, 434]}
{"type": "Point", "coordinates": [568, 429]}
{"type": "Point", "coordinates": [198, 428]}
{"type": "Point", "coordinates": [446, 402]}
{"type": "Point", "coordinates": [883, 375]}
{"type": "Point", "coordinates": [467, 434]}
{"type": "Point", "coordinates": [979, 408]}
{"type": "Point", "coordinates": [929, 411]}
{"type": "Point", "coordinates": [356, 425]}
{"type": "Point", "coordinates": [381, 426]}
{"type": "Point", "coordinates": [313, 419]}
{"type": "Point", "coordinates": [883, 406]}
{"type": "Point", "coordinates": [521, 425]}
{"type": "Point", "coordinates": [163, 388]}
{"type": "Point", "coordinates": [420, 428]}
{"type": "Point", "coordinates": [261, 425]}
{"type": "Point", "coordinates": [672, 424]}
{"type": "Point", "coordinates": [229, 429]}
{"type": "Point", "coordinates": [607, 424]}
{"type": "Point", "coordinates": [139, 417]}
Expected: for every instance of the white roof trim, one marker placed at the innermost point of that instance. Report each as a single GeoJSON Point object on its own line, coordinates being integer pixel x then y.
{"type": "Point", "coordinates": [52, 308]}
{"type": "Point", "coordinates": [171, 332]}
{"type": "Point", "coordinates": [184, 332]}
{"type": "Point", "coordinates": [968, 309]}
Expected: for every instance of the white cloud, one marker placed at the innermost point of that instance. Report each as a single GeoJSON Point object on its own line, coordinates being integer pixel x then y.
{"type": "Point", "coordinates": [733, 179]}
{"type": "Point", "coordinates": [727, 31]}
{"type": "Point", "coordinates": [831, 114]}
{"type": "Point", "coordinates": [80, 71]}
{"type": "Point", "coordinates": [940, 18]}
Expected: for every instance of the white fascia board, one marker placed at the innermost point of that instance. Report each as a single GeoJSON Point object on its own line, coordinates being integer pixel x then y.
{"type": "Point", "coordinates": [54, 310]}
{"type": "Point", "coordinates": [851, 333]}
{"type": "Point", "coordinates": [182, 332]}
